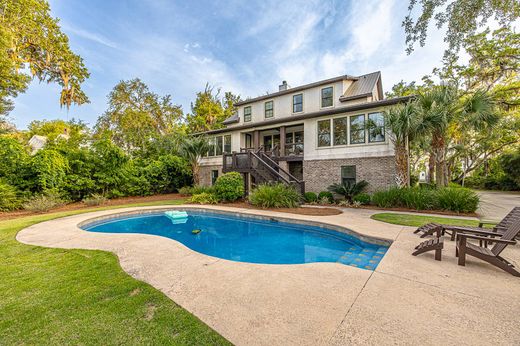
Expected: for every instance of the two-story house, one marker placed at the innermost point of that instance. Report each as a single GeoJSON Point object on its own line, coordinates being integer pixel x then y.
{"type": "Point", "coordinates": [320, 133]}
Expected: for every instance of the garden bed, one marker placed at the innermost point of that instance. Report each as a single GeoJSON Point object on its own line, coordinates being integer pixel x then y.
{"type": "Point", "coordinates": [307, 210]}
{"type": "Point", "coordinates": [80, 205]}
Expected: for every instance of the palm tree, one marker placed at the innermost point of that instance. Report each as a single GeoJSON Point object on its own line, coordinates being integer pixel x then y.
{"type": "Point", "coordinates": [348, 190]}
{"type": "Point", "coordinates": [404, 124]}
{"type": "Point", "coordinates": [192, 149]}
{"type": "Point", "coordinates": [447, 113]}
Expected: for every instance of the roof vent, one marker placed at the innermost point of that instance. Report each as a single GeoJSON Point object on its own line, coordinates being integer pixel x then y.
{"type": "Point", "coordinates": [283, 86]}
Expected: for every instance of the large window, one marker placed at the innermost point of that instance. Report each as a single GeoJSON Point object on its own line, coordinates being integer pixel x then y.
{"type": "Point", "coordinates": [340, 126]}
{"type": "Point", "coordinates": [326, 97]}
{"type": "Point", "coordinates": [376, 127]}
{"type": "Point", "coordinates": [324, 133]}
{"type": "Point", "coordinates": [219, 145]}
{"type": "Point", "coordinates": [247, 113]}
{"type": "Point", "coordinates": [357, 129]}
{"type": "Point", "coordinates": [348, 174]}
{"type": "Point", "coordinates": [227, 144]}
{"type": "Point", "coordinates": [297, 103]}
{"type": "Point", "coordinates": [268, 109]}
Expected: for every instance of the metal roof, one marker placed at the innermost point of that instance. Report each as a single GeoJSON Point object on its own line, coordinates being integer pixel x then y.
{"type": "Point", "coordinates": [362, 87]}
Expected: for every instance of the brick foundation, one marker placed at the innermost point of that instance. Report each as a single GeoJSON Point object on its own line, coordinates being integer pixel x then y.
{"type": "Point", "coordinates": [378, 171]}
{"type": "Point", "coordinates": [205, 174]}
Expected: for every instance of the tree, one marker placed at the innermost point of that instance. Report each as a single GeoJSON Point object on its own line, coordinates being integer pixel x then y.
{"type": "Point", "coordinates": [32, 45]}
{"type": "Point", "coordinates": [450, 114]}
{"type": "Point", "coordinates": [404, 124]}
{"type": "Point", "coordinates": [136, 116]}
{"type": "Point", "coordinates": [209, 110]}
{"type": "Point", "coordinates": [192, 149]}
{"type": "Point", "coordinates": [77, 131]}
{"type": "Point", "coordinates": [462, 17]}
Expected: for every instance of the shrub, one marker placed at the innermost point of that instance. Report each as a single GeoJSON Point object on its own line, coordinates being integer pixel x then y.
{"type": "Point", "coordinates": [324, 200]}
{"type": "Point", "coordinates": [275, 196]}
{"type": "Point", "coordinates": [204, 198]}
{"type": "Point", "coordinates": [387, 198]}
{"type": "Point", "coordinates": [43, 203]}
{"type": "Point", "coordinates": [344, 203]}
{"type": "Point", "coordinates": [9, 199]}
{"type": "Point", "coordinates": [310, 197]}
{"type": "Point", "coordinates": [362, 198]}
{"type": "Point", "coordinates": [326, 194]}
{"type": "Point", "coordinates": [229, 187]}
{"type": "Point", "coordinates": [417, 198]}
{"type": "Point", "coordinates": [458, 199]}
{"type": "Point", "coordinates": [195, 190]}
{"type": "Point", "coordinates": [348, 190]}
{"type": "Point", "coordinates": [186, 190]}
{"type": "Point", "coordinates": [94, 200]}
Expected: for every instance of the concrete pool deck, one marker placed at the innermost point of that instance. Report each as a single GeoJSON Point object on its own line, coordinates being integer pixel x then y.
{"type": "Point", "coordinates": [406, 300]}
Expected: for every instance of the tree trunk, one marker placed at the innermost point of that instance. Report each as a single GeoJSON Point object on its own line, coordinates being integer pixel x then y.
{"type": "Point", "coordinates": [431, 168]}
{"type": "Point", "coordinates": [438, 148]}
{"type": "Point", "coordinates": [196, 176]}
{"type": "Point", "coordinates": [401, 165]}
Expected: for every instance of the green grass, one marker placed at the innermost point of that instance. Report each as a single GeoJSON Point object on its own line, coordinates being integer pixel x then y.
{"type": "Point", "coordinates": [59, 296]}
{"type": "Point", "coordinates": [419, 220]}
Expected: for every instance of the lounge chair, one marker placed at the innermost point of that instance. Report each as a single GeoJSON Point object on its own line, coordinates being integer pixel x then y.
{"type": "Point", "coordinates": [440, 229]}
{"type": "Point", "coordinates": [492, 255]}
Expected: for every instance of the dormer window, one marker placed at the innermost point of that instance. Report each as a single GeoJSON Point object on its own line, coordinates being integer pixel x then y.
{"type": "Point", "coordinates": [247, 114]}
{"type": "Point", "coordinates": [268, 109]}
{"type": "Point", "coordinates": [327, 97]}
{"type": "Point", "coordinates": [297, 103]}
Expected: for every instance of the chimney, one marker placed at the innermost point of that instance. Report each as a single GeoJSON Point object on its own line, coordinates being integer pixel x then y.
{"type": "Point", "coordinates": [283, 86]}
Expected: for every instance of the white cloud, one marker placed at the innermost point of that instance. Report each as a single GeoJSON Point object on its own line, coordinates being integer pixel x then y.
{"type": "Point", "coordinates": [88, 35]}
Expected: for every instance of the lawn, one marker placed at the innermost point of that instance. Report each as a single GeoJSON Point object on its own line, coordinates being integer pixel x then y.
{"type": "Point", "coordinates": [59, 296]}
{"type": "Point", "coordinates": [419, 220]}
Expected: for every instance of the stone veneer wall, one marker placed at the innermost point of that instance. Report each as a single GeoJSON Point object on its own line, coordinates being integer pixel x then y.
{"type": "Point", "coordinates": [378, 171]}
{"type": "Point", "coordinates": [205, 174]}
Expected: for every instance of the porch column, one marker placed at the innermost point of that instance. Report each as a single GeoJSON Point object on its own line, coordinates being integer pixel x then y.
{"type": "Point", "coordinates": [282, 141]}
{"type": "Point", "coordinates": [256, 139]}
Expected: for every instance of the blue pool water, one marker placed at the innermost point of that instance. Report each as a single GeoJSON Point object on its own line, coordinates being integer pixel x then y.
{"type": "Point", "coordinates": [246, 239]}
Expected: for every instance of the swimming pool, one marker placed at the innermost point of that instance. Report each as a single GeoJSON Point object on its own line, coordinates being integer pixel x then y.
{"type": "Point", "coordinates": [249, 239]}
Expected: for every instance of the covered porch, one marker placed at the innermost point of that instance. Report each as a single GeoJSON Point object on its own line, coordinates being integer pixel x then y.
{"type": "Point", "coordinates": [283, 143]}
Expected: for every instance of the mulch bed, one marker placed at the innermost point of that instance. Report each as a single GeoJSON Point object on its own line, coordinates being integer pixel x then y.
{"type": "Point", "coordinates": [314, 211]}
{"type": "Point", "coordinates": [81, 205]}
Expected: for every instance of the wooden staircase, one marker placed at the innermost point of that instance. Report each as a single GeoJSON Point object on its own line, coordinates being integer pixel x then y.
{"type": "Point", "coordinates": [261, 167]}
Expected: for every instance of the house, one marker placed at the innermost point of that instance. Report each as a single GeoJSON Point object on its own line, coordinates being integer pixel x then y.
{"type": "Point", "coordinates": [37, 142]}
{"type": "Point", "coordinates": [312, 136]}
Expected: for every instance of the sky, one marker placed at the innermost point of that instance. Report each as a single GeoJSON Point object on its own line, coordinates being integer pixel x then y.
{"type": "Point", "coordinates": [247, 47]}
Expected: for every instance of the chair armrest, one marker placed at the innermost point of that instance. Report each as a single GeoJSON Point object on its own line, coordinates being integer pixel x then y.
{"type": "Point", "coordinates": [472, 230]}
{"type": "Point", "coordinates": [477, 237]}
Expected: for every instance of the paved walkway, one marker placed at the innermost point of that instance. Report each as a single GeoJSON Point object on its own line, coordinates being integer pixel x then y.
{"type": "Point", "coordinates": [494, 205]}
{"type": "Point", "coordinates": [406, 300]}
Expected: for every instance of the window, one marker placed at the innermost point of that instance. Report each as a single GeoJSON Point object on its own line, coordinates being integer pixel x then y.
{"type": "Point", "coordinates": [219, 146]}
{"type": "Point", "coordinates": [268, 109]}
{"type": "Point", "coordinates": [324, 133]}
{"type": "Point", "coordinates": [214, 176]}
{"type": "Point", "coordinates": [376, 127]}
{"type": "Point", "coordinates": [348, 174]}
{"type": "Point", "coordinates": [211, 151]}
{"type": "Point", "coordinates": [357, 129]}
{"type": "Point", "coordinates": [227, 144]}
{"type": "Point", "coordinates": [297, 103]}
{"type": "Point", "coordinates": [326, 97]}
{"type": "Point", "coordinates": [340, 131]}
{"type": "Point", "coordinates": [247, 113]}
